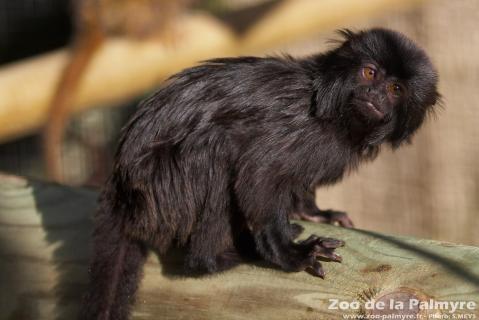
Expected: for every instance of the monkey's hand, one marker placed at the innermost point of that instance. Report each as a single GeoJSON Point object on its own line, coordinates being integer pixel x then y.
{"type": "Point", "coordinates": [317, 248]}
{"type": "Point", "coordinates": [325, 216]}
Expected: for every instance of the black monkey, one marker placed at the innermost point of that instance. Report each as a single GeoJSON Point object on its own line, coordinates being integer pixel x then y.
{"type": "Point", "coordinates": [233, 146]}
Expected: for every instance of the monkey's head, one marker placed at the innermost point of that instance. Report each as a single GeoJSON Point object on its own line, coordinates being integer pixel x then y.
{"type": "Point", "coordinates": [383, 84]}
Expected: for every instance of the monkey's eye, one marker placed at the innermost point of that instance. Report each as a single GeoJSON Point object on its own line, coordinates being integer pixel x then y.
{"type": "Point", "coordinates": [368, 73]}
{"type": "Point", "coordinates": [395, 89]}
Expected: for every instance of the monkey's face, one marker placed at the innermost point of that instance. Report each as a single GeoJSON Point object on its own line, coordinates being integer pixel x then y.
{"type": "Point", "coordinates": [388, 84]}
{"type": "Point", "coordinates": [376, 94]}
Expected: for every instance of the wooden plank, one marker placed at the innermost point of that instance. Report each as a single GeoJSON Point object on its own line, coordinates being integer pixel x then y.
{"type": "Point", "coordinates": [44, 249]}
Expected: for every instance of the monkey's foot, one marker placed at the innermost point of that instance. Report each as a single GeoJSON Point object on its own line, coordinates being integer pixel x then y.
{"type": "Point", "coordinates": [326, 216]}
{"type": "Point", "coordinates": [319, 248]}
{"type": "Point", "coordinates": [199, 266]}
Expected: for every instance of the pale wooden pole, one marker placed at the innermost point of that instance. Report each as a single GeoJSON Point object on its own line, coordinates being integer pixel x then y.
{"type": "Point", "coordinates": [124, 68]}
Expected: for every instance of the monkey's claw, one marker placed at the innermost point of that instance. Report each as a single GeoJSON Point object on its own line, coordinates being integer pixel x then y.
{"type": "Point", "coordinates": [320, 248]}
{"type": "Point", "coordinates": [331, 243]}
{"type": "Point", "coordinates": [338, 217]}
{"type": "Point", "coordinates": [316, 269]}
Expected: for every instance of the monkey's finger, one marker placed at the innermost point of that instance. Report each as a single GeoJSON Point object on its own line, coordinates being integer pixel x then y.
{"type": "Point", "coordinates": [316, 269]}
{"type": "Point", "coordinates": [327, 254]}
{"type": "Point", "coordinates": [342, 219]}
{"type": "Point", "coordinates": [330, 243]}
{"type": "Point", "coordinates": [345, 222]}
{"type": "Point", "coordinates": [339, 217]}
{"type": "Point", "coordinates": [310, 240]}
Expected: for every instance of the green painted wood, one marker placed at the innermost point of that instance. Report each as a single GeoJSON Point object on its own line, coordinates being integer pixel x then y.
{"type": "Point", "coordinates": [44, 249]}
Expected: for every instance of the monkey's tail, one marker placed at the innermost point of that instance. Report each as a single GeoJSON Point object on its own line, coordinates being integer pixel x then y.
{"type": "Point", "coordinates": [114, 272]}
{"type": "Point", "coordinates": [82, 53]}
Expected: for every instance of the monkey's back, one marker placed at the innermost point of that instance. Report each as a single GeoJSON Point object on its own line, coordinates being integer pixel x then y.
{"type": "Point", "coordinates": [193, 135]}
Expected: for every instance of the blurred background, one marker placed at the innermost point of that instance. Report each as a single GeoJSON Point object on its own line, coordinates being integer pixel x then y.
{"type": "Point", "coordinates": [71, 73]}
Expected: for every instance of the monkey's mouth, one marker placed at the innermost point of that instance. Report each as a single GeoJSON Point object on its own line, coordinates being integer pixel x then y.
{"type": "Point", "coordinates": [370, 109]}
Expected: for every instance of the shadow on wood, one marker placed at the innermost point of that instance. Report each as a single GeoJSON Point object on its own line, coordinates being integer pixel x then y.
{"type": "Point", "coordinates": [44, 248]}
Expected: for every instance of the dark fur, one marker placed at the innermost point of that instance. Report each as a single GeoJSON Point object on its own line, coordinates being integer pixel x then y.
{"type": "Point", "coordinates": [232, 147]}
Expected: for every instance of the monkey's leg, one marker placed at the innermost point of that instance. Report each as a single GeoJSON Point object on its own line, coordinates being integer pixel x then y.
{"type": "Point", "coordinates": [114, 273]}
{"type": "Point", "coordinates": [211, 247]}
{"type": "Point", "coordinates": [307, 210]}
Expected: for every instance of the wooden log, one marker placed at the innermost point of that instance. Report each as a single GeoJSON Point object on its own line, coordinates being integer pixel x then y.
{"type": "Point", "coordinates": [44, 250]}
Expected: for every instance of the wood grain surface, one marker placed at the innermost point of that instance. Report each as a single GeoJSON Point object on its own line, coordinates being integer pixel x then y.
{"type": "Point", "coordinates": [44, 250]}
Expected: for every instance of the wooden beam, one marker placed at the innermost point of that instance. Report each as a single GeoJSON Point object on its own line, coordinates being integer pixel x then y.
{"type": "Point", "coordinates": [45, 246]}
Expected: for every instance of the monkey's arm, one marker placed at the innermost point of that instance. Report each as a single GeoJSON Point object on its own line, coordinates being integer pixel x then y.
{"type": "Point", "coordinates": [267, 219]}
